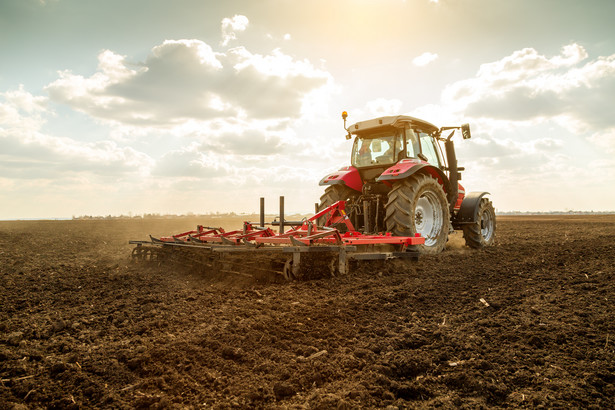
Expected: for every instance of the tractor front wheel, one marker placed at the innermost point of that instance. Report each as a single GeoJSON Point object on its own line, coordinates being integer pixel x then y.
{"type": "Point", "coordinates": [418, 205]}
{"type": "Point", "coordinates": [482, 232]}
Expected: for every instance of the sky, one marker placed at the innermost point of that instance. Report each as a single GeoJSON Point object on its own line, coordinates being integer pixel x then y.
{"type": "Point", "coordinates": [148, 106]}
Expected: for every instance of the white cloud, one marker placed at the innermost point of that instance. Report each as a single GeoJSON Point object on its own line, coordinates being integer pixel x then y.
{"type": "Point", "coordinates": [225, 163]}
{"type": "Point", "coordinates": [604, 140]}
{"type": "Point", "coordinates": [233, 172]}
{"type": "Point", "coordinates": [27, 152]}
{"type": "Point", "coordinates": [22, 110]}
{"type": "Point", "coordinates": [184, 80]}
{"type": "Point", "coordinates": [424, 59]}
{"type": "Point", "coordinates": [527, 86]}
{"type": "Point", "coordinates": [21, 100]}
{"type": "Point", "coordinates": [532, 116]}
{"type": "Point", "coordinates": [241, 111]}
{"type": "Point", "coordinates": [232, 26]}
{"type": "Point", "coordinates": [191, 162]}
{"type": "Point", "coordinates": [382, 107]}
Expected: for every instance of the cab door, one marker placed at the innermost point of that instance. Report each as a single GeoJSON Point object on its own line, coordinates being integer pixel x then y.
{"type": "Point", "coordinates": [429, 149]}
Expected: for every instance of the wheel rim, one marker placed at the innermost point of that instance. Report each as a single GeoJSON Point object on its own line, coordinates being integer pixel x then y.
{"type": "Point", "coordinates": [428, 217]}
{"type": "Point", "coordinates": [487, 225]}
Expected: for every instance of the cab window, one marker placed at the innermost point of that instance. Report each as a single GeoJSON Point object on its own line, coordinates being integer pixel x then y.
{"type": "Point", "coordinates": [376, 149]}
{"type": "Point", "coordinates": [428, 149]}
{"type": "Point", "coordinates": [412, 144]}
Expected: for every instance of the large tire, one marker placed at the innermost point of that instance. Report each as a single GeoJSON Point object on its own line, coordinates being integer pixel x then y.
{"type": "Point", "coordinates": [334, 193]}
{"type": "Point", "coordinates": [482, 232]}
{"type": "Point", "coordinates": [418, 205]}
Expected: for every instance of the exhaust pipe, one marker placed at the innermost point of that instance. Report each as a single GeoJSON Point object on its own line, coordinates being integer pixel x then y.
{"type": "Point", "coordinates": [453, 192]}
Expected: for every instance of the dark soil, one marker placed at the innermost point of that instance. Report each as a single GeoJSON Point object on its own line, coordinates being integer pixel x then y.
{"type": "Point", "coordinates": [526, 323]}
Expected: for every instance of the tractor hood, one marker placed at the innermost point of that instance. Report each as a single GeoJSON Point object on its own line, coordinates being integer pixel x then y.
{"type": "Point", "coordinates": [396, 121]}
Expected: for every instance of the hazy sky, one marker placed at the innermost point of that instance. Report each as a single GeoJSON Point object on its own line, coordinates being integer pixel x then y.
{"type": "Point", "coordinates": [141, 106]}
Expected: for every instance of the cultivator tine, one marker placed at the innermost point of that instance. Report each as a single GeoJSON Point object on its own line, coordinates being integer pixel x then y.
{"type": "Point", "coordinates": [227, 241]}
{"type": "Point", "coordinates": [249, 244]}
{"type": "Point", "coordinates": [297, 242]}
{"type": "Point", "coordinates": [137, 252]}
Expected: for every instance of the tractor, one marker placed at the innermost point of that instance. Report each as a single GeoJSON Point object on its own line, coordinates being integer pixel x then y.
{"type": "Point", "coordinates": [400, 183]}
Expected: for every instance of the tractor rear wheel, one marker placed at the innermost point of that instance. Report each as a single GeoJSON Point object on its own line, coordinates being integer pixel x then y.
{"type": "Point", "coordinates": [482, 232]}
{"type": "Point", "coordinates": [418, 205]}
{"type": "Point", "coordinates": [334, 193]}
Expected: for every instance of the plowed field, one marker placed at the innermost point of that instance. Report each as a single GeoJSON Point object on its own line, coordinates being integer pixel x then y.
{"type": "Point", "coordinates": [526, 323]}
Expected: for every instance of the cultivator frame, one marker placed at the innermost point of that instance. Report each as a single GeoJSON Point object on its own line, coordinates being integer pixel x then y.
{"type": "Point", "coordinates": [257, 248]}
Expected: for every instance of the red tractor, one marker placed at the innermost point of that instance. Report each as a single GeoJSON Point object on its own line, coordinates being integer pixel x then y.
{"type": "Point", "coordinates": [400, 182]}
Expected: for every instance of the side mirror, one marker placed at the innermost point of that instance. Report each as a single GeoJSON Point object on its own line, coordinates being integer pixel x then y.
{"type": "Point", "coordinates": [465, 131]}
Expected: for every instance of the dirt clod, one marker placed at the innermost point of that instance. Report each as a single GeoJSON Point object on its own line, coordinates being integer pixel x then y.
{"type": "Point", "coordinates": [14, 338]}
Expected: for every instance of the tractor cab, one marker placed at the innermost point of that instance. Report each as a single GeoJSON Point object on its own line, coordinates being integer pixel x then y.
{"type": "Point", "coordinates": [383, 142]}
{"type": "Point", "coordinates": [402, 182]}
{"type": "Point", "coordinates": [388, 147]}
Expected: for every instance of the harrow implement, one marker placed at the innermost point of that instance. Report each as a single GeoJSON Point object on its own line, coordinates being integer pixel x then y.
{"type": "Point", "coordinates": [309, 248]}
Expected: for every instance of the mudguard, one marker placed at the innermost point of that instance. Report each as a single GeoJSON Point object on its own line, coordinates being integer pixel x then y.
{"type": "Point", "coordinates": [469, 207]}
{"type": "Point", "coordinates": [406, 167]}
{"type": "Point", "coordinates": [346, 175]}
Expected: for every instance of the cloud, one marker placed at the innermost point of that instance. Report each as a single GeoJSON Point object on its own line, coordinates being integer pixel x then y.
{"type": "Point", "coordinates": [424, 59]}
{"type": "Point", "coordinates": [382, 106]}
{"type": "Point", "coordinates": [604, 140]}
{"type": "Point", "coordinates": [27, 152]}
{"type": "Point", "coordinates": [247, 142]}
{"type": "Point", "coordinates": [533, 115]}
{"type": "Point", "coordinates": [22, 109]}
{"type": "Point", "coordinates": [231, 26]}
{"type": "Point", "coordinates": [192, 163]}
{"type": "Point", "coordinates": [528, 86]}
{"type": "Point", "coordinates": [184, 80]}
{"type": "Point", "coordinates": [224, 164]}
{"type": "Point", "coordinates": [223, 170]}
{"type": "Point", "coordinates": [40, 156]}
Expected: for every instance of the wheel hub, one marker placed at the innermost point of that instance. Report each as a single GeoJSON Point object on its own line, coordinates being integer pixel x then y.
{"type": "Point", "coordinates": [486, 226]}
{"type": "Point", "coordinates": [428, 217]}
{"type": "Point", "coordinates": [419, 218]}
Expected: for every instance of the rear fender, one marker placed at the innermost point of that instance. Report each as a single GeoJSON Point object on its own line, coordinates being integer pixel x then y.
{"type": "Point", "coordinates": [468, 213]}
{"type": "Point", "coordinates": [409, 166]}
{"type": "Point", "coordinates": [348, 176]}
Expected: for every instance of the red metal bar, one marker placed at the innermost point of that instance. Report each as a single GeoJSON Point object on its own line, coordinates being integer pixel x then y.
{"type": "Point", "coordinates": [337, 215]}
{"type": "Point", "coordinates": [308, 233]}
{"type": "Point", "coordinates": [391, 240]}
{"type": "Point", "coordinates": [328, 236]}
{"type": "Point", "coordinates": [212, 231]}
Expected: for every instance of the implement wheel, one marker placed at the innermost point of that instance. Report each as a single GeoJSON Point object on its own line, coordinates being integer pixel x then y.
{"type": "Point", "coordinates": [482, 232]}
{"type": "Point", "coordinates": [418, 205]}
{"type": "Point", "coordinates": [334, 193]}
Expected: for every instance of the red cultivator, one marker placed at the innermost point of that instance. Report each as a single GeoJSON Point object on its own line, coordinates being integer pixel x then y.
{"type": "Point", "coordinates": [326, 241]}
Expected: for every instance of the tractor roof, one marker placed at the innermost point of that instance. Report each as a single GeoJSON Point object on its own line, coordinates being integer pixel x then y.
{"type": "Point", "coordinates": [397, 121]}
